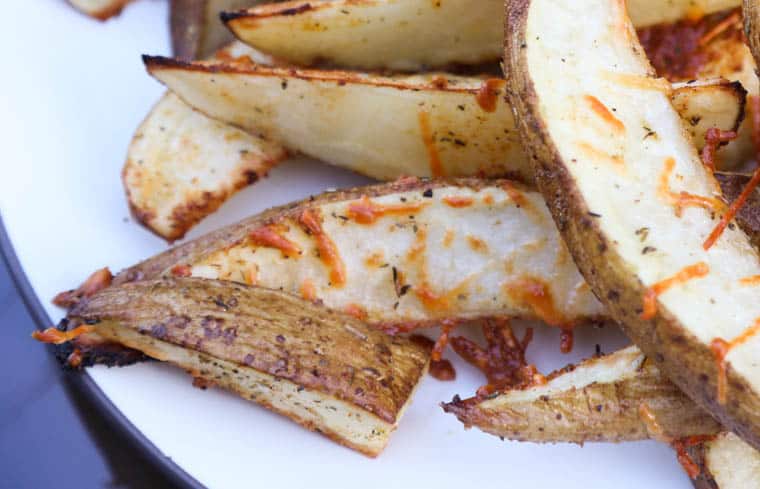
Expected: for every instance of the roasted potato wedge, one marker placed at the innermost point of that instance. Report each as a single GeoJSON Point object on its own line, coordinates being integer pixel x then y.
{"type": "Point", "coordinates": [405, 34]}
{"type": "Point", "coordinates": [600, 399]}
{"type": "Point", "coordinates": [328, 372]}
{"type": "Point", "coordinates": [401, 255]}
{"type": "Point", "coordinates": [197, 32]}
{"type": "Point", "coordinates": [726, 462]}
{"type": "Point", "coordinates": [100, 9]}
{"type": "Point", "coordinates": [181, 165]}
{"type": "Point", "coordinates": [420, 125]}
{"type": "Point", "coordinates": [636, 211]}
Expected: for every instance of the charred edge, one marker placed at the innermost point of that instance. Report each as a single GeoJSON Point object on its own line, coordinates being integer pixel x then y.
{"type": "Point", "coordinates": [92, 353]}
{"type": "Point", "coordinates": [741, 93]}
{"type": "Point", "coordinates": [269, 11]}
{"type": "Point", "coordinates": [227, 17]}
{"type": "Point", "coordinates": [158, 63]}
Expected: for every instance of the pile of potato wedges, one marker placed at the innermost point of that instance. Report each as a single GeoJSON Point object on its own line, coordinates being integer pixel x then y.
{"type": "Point", "coordinates": [564, 161]}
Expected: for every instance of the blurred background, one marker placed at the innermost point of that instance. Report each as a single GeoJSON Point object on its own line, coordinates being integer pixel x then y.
{"type": "Point", "coordinates": [51, 433]}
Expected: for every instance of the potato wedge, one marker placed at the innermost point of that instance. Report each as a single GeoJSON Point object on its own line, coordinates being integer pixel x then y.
{"type": "Point", "coordinates": [196, 29]}
{"type": "Point", "coordinates": [181, 166]}
{"type": "Point", "coordinates": [677, 52]}
{"type": "Point", "coordinates": [726, 463]}
{"type": "Point", "coordinates": [404, 34]}
{"type": "Point", "coordinates": [100, 9]}
{"type": "Point", "coordinates": [400, 256]}
{"type": "Point", "coordinates": [328, 372]}
{"type": "Point", "coordinates": [599, 399]}
{"type": "Point", "coordinates": [637, 234]}
{"type": "Point", "coordinates": [386, 127]}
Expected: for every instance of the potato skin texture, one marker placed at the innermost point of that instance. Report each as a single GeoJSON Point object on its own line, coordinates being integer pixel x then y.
{"type": "Point", "coordinates": [688, 362]}
{"type": "Point", "coordinates": [590, 410]}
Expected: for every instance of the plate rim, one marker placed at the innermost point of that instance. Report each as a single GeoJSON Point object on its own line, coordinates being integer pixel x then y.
{"type": "Point", "coordinates": [83, 382]}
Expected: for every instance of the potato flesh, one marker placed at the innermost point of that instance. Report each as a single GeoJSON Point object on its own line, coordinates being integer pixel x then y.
{"type": "Point", "coordinates": [469, 257]}
{"type": "Point", "coordinates": [182, 165]}
{"type": "Point", "coordinates": [732, 463]}
{"type": "Point", "coordinates": [408, 34]}
{"type": "Point", "coordinates": [387, 127]}
{"type": "Point", "coordinates": [602, 59]}
{"type": "Point", "coordinates": [374, 127]}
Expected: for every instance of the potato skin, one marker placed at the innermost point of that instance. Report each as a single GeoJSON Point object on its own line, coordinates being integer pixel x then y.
{"type": "Point", "coordinates": [688, 362]}
{"type": "Point", "coordinates": [748, 217]}
{"type": "Point", "coordinates": [270, 331]}
{"type": "Point", "coordinates": [590, 409]}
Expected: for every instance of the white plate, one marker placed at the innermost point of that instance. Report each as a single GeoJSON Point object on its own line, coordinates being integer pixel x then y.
{"type": "Point", "coordinates": [73, 91]}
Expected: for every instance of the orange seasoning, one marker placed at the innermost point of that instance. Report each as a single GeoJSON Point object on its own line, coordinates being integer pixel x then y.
{"type": "Point", "coordinates": [356, 311]}
{"type": "Point", "coordinates": [732, 21]}
{"type": "Point", "coordinates": [488, 94]}
{"type": "Point", "coordinates": [74, 360]}
{"type": "Point", "coordinates": [732, 210]}
{"type": "Point", "coordinates": [308, 291]}
{"type": "Point", "coordinates": [268, 237]}
{"type": "Point", "coordinates": [436, 167]}
{"type": "Point", "coordinates": [99, 280]}
{"type": "Point", "coordinates": [604, 113]}
{"type": "Point", "coordinates": [650, 421]}
{"type": "Point", "coordinates": [181, 271]}
{"type": "Point", "coordinates": [537, 294]}
{"type": "Point", "coordinates": [751, 280]}
{"type": "Point", "coordinates": [365, 211]}
{"type": "Point", "coordinates": [514, 194]}
{"type": "Point", "coordinates": [692, 468]}
{"type": "Point", "coordinates": [690, 272]}
{"type": "Point", "coordinates": [721, 348]}
{"type": "Point", "coordinates": [447, 325]}
{"type": "Point", "coordinates": [457, 201]}
{"type": "Point", "coordinates": [439, 369]}
{"type": "Point", "coordinates": [753, 103]}
{"type": "Point", "coordinates": [683, 199]}
{"type": "Point", "coordinates": [502, 360]}
{"type": "Point", "coordinates": [55, 336]}
{"type": "Point", "coordinates": [714, 137]}
{"type": "Point", "coordinates": [328, 252]}
{"type": "Point", "coordinates": [680, 50]}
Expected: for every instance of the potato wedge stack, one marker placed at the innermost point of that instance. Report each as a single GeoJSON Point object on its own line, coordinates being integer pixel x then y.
{"type": "Point", "coordinates": [594, 180]}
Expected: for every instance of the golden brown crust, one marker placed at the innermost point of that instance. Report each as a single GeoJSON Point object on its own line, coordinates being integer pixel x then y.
{"type": "Point", "coordinates": [270, 331]}
{"type": "Point", "coordinates": [688, 362]}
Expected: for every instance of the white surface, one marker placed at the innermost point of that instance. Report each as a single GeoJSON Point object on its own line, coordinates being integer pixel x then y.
{"type": "Point", "coordinates": [73, 91]}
